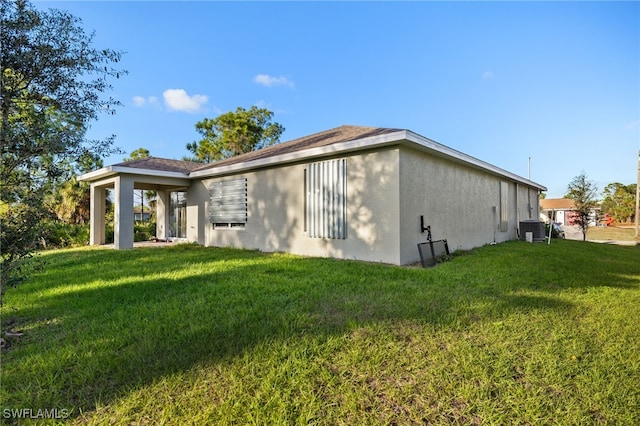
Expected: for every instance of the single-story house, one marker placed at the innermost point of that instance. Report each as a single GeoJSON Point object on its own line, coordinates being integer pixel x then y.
{"type": "Point", "coordinates": [350, 192]}
{"type": "Point", "coordinates": [562, 211]}
{"type": "Point", "coordinates": [140, 215]}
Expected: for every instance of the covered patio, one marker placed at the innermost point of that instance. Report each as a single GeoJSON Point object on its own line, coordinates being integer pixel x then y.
{"type": "Point", "coordinates": [168, 178]}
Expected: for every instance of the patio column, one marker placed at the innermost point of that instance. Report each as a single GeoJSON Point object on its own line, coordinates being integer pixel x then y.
{"type": "Point", "coordinates": [123, 213]}
{"type": "Point", "coordinates": [162, 214]}
{"type": "Point", "coordinates": [97, 209]}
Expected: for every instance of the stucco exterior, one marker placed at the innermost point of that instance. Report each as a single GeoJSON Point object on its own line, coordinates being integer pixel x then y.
{"type": "Point", "coordinates": [460, 203]}
{"type": "Point", "coordinates": [389, 179]}
{"type": "Point", "coordinates": [276, 211]}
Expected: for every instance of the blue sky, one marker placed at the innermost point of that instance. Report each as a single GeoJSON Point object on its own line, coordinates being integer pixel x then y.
{"type": "Point", "coordinates": [557, 82]}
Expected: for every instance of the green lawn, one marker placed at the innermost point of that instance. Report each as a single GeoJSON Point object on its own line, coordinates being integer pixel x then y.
{"type": "Point", "coordinates": [514, 333]}
{"type": "Point", "coordinates": [616, 233]}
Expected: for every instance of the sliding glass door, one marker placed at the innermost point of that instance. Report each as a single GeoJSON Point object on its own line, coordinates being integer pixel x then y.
{"type": "Point", "coordinates": [178, 215]}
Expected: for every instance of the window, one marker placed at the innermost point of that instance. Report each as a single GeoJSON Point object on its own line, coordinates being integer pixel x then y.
{"type": "Point", "coordinates": [326, 193]}
{"type": "Point", "coordinates": [504, 212]}
{"type": "Point", "coordinates": [178, 214]}
{"type": "Point", "coordinates": [228, 203]}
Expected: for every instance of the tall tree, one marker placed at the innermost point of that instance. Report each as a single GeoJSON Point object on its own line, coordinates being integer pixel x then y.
{"type": "Point", "coordinates": [583, 192]}
{"type": "Point", "coordinates": [619, 201]}
{"type": "Point", "coordinates": [234, 133]}
{"type": "Point", "coordinates": [52, 86]}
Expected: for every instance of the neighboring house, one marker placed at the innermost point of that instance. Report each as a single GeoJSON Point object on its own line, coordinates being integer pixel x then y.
{"type": "Point", "coordinates": [562, 211]}
{"type": "Point", "coordinates": [141, 216]}
{"type": "Point", "coordinates": [350, 192]}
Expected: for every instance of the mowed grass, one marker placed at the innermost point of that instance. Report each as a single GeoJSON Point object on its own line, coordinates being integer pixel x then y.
{"type": "Point", "coordinates": [514, 333]}
{"type": "Point", "coordinates": [612, 233]}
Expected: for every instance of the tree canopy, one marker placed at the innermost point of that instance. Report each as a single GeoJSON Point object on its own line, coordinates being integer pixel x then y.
{"type": "Point", "coordinates": [138, 154]}
{"type": "Point", "coordinates": [52, 87]}
{"type": "Point", "coordinates": [235, 133]}
{"type": "Point", "coordinates": [619, 201]}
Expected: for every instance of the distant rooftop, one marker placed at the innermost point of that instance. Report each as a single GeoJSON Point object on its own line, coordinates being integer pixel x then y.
{"type": "Point", "coordinates": [557, 204]}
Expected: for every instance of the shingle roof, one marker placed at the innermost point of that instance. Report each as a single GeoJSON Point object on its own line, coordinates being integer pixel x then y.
{"type": "Point", "coordinates": [163, 164]}
{"type": "Point", "coordinates": [557, 204]}
{"type": "Point", "coordinates": [327, 137]}
{"type": "Point", "coordinates": [318, 144]}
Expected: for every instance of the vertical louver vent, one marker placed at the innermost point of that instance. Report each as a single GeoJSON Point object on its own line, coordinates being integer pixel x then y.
{"type": "Point", "coordinates": [504, 209]}
{"type": "Point", "coordinates": [326, 187]}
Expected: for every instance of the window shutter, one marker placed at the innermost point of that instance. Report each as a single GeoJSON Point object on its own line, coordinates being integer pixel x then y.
{"type": "Point", "coordinates": [228, 201]}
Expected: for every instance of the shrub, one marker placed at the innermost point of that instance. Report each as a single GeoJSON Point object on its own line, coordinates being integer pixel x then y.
{"type": "Point", "coordinates": [144, 231]}
{"type": "Point", "coordinates": [59, 234]}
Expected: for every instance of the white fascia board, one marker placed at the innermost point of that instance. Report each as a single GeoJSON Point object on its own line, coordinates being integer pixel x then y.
{"type": "Point", "coordinates": [307, 154]}
{"type": "Point", "coordinates": [400, 137]}
{"type": "Point", "coordinates": [96, 174]}
{"type": "Point", "coordinates": [455, 155]}
{"type": "Point", "coordinates": [114, 170]}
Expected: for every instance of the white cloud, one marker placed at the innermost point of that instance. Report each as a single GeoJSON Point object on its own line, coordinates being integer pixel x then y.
{"type": "Point", "coordinates": [269, 81]}
{"type": "Point", "coordinates": [488, 75]}
{"type": "Point", "coordinates": [179, 100]}
{"type": "Point", "coordinates": [141, 101]}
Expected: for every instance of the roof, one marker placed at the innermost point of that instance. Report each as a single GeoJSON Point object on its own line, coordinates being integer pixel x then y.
{"type": "Point", "coordinates": [557, 204]}
{"type": "Point", "coordinates": [339, 140]}
{"type": "Point", "coordinates": [316, 140]}
{"type": "Point", "coordinates": [161, 164]}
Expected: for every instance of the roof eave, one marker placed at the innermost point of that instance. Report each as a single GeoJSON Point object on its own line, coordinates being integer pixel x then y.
{"type": "Point", "coordinates": [452, 154]}
{"type": "Point", "coordinates": [95, 175]}
{"type": "Point", "coordinates": [109, 171]}
{"type": "Point", "coordinates": [399, 137]}
{"type": "Point", "coordinates": [306, 154]}
{"type": "Point", "coordinates": [404, 137]}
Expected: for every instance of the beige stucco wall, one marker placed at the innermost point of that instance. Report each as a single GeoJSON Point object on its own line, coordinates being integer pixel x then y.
{"type": "Point", "coordinates": [528, 206]}
{"type": "Point", "coordinates": [457, 201]}
{"type": "Point", "coordinates": [276, 213]}
{"type": "Point", "coordinates": [387, 192]}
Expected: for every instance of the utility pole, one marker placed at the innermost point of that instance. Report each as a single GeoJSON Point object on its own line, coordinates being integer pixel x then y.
{"type": "Point", "coordinates": [638, 199]}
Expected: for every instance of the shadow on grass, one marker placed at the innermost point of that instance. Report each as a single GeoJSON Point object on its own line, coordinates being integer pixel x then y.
{"type": "Point", "coordinates": [100, 323]}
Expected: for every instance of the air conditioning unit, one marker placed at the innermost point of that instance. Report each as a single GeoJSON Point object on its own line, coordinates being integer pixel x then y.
{"type": "Point", "coordinates": [535, 227]}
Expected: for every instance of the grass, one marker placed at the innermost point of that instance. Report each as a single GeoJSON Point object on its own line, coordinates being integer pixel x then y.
{"type": "Point", "coordinates": [612, 233]}
{"type": "Point", "coordinates": [514, 333]}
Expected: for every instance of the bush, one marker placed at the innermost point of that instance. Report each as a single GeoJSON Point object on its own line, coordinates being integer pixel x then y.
{"type": "Point", "coordinates": [144, 231]}
{"type": "Point", "coordinates": [59, 234]}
